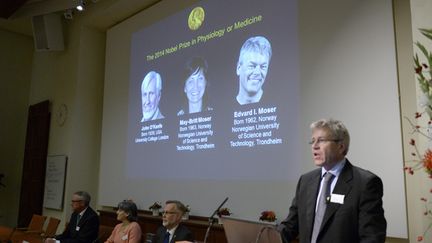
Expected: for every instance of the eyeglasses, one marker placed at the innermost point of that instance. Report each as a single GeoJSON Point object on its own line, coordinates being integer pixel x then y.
{"type": "Point", "coordinates": [323, 140]}
{"type": "Point", "coordinates": [169, 212]}
{"type": "Point", "coordinates": [74, 201]}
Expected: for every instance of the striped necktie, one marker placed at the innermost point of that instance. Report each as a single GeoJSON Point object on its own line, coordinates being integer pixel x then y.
{"type": "Point", "coordinates": [322, 205]}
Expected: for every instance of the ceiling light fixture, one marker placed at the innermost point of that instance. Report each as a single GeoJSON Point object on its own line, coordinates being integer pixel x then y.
{"type": "Point", "coordinates": [80, 6]}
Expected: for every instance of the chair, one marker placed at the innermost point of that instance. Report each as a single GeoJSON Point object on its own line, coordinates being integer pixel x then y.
{"type": "Point", "coordinates": [5, 233]}
{"type": "Point", "coordinates": [36, 224]}
{"type": "Point", "coordinates": [104, 233]}
{"type": "Point", "coordinates": [37, 237]}
{"type": "Point", "coordinates": [51, 228]}
{"type": "Point", "coordinates": [35, 227]}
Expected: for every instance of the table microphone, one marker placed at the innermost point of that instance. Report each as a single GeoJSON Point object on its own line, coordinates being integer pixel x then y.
{"type": "Point", "coordinates": [212, 219]}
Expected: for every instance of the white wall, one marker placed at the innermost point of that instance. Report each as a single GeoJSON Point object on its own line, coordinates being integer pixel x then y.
{"type": "Point", "coordinates": [15, 69]}
{"type": "Point", "coordinates": [74, 77]}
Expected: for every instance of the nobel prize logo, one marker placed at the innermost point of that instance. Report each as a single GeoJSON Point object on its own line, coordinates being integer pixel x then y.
{"type": "Point", "coordinates": [196, 18]}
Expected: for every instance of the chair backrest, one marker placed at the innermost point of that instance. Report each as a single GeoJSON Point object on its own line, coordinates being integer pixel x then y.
{"type": "Point", "coordinates": [104, 233]}
{"type": "Point", "coordinates": [51, 228]}
{"type": "Point", "coordinates": [37, 222]}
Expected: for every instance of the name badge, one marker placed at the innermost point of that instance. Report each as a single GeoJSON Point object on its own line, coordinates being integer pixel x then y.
{"type": "Point", "coordinates": [337, 198]}
{"type": "Point", "coordinates": [125, 237]}
{"type": "Point", "coordinates": [77, 228]}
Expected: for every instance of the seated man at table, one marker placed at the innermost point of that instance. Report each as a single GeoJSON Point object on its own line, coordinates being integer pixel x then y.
{"type": "Point", "coordinates": [172, 230]}
{"type": "Point", "coordinates": [83, 226]}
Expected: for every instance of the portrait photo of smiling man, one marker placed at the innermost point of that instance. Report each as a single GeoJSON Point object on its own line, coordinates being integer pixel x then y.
{"type": "Point", "coordinates": [151, 89]}
{"type": "Point", "coordinates": [252, 68]}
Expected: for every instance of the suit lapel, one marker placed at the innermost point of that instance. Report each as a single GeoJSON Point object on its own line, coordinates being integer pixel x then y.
{"type": "Point", "coordinates": [343, 187]}
{"type": "Point", "coordinates": [162, 234]}
{"type": "Point", "coordinates": [73, 224]}
{"type": "Point", "coordinates": [312, 193]}
{"type": "Point", "coordinates": [73, 218]}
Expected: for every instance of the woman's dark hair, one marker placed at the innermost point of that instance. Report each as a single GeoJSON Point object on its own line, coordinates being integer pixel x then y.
{"type": "Point", "coordinates": [130, 208]}
{"type": "Point", "coordinates": [193, 65]}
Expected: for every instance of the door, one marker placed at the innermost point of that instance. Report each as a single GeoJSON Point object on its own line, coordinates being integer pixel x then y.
{"type": "Point", "coordinates": [35, 155]}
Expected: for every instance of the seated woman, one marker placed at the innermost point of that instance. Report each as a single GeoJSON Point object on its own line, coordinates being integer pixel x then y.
{"type": "Point", "coordinates": [128, 230]}
{"type": "Point", "coordinates": [195, 86]}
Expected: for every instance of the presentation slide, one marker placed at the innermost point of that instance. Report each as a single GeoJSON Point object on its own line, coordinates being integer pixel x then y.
{"type": "Point", "coordinates": [216, 87]}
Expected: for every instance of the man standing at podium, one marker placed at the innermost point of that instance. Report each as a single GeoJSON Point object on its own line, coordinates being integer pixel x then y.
{"type": "Point", "coordinates": [172, 230]}
{"type": "Point", "coordinates": [338, 202]}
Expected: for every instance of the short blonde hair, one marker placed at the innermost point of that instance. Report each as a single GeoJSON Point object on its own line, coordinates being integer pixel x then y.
{"type": "Point", "coordinates": [337, 130]}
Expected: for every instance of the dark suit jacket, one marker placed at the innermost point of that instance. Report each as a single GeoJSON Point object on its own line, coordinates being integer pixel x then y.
{"type": "Point", "coordinates": [181, 233]}
{"type": "Point", "coordinates": [88, 228]}
{"type": "Point", "coordinates": [359, 219]}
